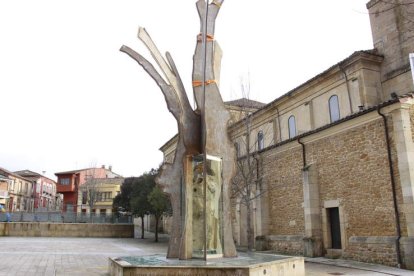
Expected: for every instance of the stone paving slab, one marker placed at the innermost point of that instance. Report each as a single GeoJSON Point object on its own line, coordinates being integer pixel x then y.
{"type": "Point", "coordinates": [68, 256]}
{"type": "Point", "coordinates": [89, 256]}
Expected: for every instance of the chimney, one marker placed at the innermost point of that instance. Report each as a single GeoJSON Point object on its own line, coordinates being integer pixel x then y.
{"type": "Point", "coordinates": [103, 166]}
{"type": "Point", "coordinates": [110, 168]}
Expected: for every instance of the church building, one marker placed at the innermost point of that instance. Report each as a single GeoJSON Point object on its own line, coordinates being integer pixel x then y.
{"type": "Point", "coordinates": [337, 154]}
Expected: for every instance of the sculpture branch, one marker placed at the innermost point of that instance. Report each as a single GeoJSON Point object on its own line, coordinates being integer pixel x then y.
{"type": "Point", "coordinates": [156, 54]}
{"type": "Point", "coordinates": [169, 94]}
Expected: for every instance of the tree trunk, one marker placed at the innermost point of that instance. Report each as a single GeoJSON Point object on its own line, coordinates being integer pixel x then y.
{"type": "Point", "coordinates": [250, 230]}
{"type": "Point", "coordinates": [142, 227]}
{"type": "Point", "coordinates": [157, 218]}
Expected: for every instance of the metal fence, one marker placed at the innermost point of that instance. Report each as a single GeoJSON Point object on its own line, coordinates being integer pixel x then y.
{"type": "Point", "coordinates": [65, 217]}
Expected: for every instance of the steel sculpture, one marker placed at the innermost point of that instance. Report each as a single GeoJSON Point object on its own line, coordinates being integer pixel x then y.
{"type": "Point", "coordinates": [204, 161]}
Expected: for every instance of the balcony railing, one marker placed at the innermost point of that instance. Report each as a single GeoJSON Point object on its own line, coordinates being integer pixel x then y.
{"type": "Point", "coordinates": [105, 200]}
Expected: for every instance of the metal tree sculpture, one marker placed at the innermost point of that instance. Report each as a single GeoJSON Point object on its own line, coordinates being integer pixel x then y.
{"type": "Point", "coordinates": [203, 131]}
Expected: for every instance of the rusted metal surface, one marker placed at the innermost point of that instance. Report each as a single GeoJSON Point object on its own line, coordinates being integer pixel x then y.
{"type": "Point", "coordinates": [203, 131]}
{"type": "Point", "coordinates": [214, 115]}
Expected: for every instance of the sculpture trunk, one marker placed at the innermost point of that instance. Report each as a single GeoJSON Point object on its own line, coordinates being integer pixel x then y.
{"type": "Point", "coordinates": [215, 116]}
{"type": "Point", "coordinates": [210, 119]}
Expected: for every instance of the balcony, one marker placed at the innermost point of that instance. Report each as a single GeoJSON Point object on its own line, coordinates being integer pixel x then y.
{"type": "Point", "coordinates": [65, 188]}
{"type": "Point", "coordinates": [106, 200]}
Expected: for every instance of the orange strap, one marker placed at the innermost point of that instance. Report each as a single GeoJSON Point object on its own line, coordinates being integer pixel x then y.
{"type": "Point", "coordinates": [200, 83]}
{"type": "Point", "coordinates": [209, 37]}
{"type": "Point", "coordinates": [215, 2]}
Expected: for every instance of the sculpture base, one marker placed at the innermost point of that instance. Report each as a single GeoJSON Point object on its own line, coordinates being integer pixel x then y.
{"type": "Point", "coordinates": [243, 265]}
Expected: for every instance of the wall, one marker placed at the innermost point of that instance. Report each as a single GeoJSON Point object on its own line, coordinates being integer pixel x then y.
{"type": "Point", "coordinates": [38, 229]}
{"type": "Point", "coordinates": [392, 34]}
{"type": "Point", "coordinates": [353, 174]}
{"type": "Point", "coordinates": [282, 174]}
{"type": "Point", "coordinates": [309, 102]}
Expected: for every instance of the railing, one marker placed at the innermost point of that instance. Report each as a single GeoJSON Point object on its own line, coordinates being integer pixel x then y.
{"type": "Point", "coordinates": [65, 217]}
{"type": "Point", "coordinates": [105, 200]}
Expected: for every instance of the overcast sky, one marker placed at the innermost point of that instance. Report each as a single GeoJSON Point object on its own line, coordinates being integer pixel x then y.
{"type": "Point", "coordinates": [70, 99]}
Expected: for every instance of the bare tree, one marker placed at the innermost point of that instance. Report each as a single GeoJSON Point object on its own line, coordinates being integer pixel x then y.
{"type": "Point", "coordinates": [247, 184]}
{"type": "Point", "coordinates": [91, 190]}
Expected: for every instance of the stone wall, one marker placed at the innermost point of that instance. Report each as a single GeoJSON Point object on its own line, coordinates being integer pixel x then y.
{"type": "Point", "coordinates": [283, 176]}
{"type": "Point", "coordinates": [372, 250]}
{"type": "Point", "coordinates": [286, 244]}
{"type": "Point", "coordinates": [353, 171]}
{"type": "Point", "coordinates": [352, 167]}
{"type": "Point", "coordinates": [392, 37]}
{"type": "Point", "coordinates": [39, 229]}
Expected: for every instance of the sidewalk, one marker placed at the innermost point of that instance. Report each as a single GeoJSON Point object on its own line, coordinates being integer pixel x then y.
{"type": "Point", "coordinates": [328, 267]}
{"type": "Point", "coordinates": [348, 267]}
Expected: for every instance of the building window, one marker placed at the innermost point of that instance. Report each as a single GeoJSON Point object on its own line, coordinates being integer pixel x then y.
{"type": "Point", "coordinates": [64, 181]}
{"type": "Point", "coordinates": [104, 196]}
{"type": "Point", "coordinates": [334, 108]}
{"type": "Point", "coordinates": [260, 140]}
{"type": "Point", "coordinates": [292, 126]}
{"type": "Point", "coordinates": [84, 197]}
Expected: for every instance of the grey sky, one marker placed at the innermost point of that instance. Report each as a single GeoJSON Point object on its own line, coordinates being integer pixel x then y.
{"type": "Point", "coordinates": [69, 98]}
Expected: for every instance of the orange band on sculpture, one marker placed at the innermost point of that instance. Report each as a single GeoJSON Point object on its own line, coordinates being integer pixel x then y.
{"type": "Point", "coordinates": [208, 36]}
{"type": "Point", "coordinates": [200, 83]}
{"type": "Point", "coordinates": [216, 3]}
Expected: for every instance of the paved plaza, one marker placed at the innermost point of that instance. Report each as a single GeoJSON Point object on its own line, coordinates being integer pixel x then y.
{"type": "Point", "coordinates": [89, 256]}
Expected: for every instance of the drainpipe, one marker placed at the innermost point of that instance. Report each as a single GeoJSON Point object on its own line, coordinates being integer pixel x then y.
{"type": "Point", "coordinates": [303, 153]}
{"type": "Point", "coordinates": [394, 193]}
{"type": "Point", "coordinates": [347, 88]}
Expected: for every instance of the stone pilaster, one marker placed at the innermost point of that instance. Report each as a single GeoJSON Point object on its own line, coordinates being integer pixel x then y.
{"type": "Point", "coordinates": [405, 154]}
{"type": "Point", "coordinates": [313, 226]}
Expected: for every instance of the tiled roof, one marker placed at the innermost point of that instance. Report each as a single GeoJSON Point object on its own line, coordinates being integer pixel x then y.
{"type": "Point", "coordinates": [71, 172]}
{"type": "Point", "coordinates": [80, 170]}
{"type": "Point", "coordinates": [243, 102]}
{"type": "Point", "coordinates": [27, 173]}
{"type": "Point", "coordinates": [7, 173]}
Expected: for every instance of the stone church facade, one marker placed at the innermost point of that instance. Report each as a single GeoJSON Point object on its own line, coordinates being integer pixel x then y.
{"type": "Point", "coordinates": [337, 154]}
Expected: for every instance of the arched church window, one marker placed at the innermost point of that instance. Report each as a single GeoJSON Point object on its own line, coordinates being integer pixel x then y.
{"type": "Point", "coordinates": [334, 108]}
{"type": "Point", "coordinates": [292, 126]}
{"type": "Point", "coordinates": [260, 140]}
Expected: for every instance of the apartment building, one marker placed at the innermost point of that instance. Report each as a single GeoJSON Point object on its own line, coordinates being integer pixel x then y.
{"type": "Point", "coordinates": [19, 196]}
{"type": "Point", "coordinates": [44, 192]}
{"type": "Point", "coordinates": [69, 183]}
{"type": "Point", "coordinates": [97, 195]}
